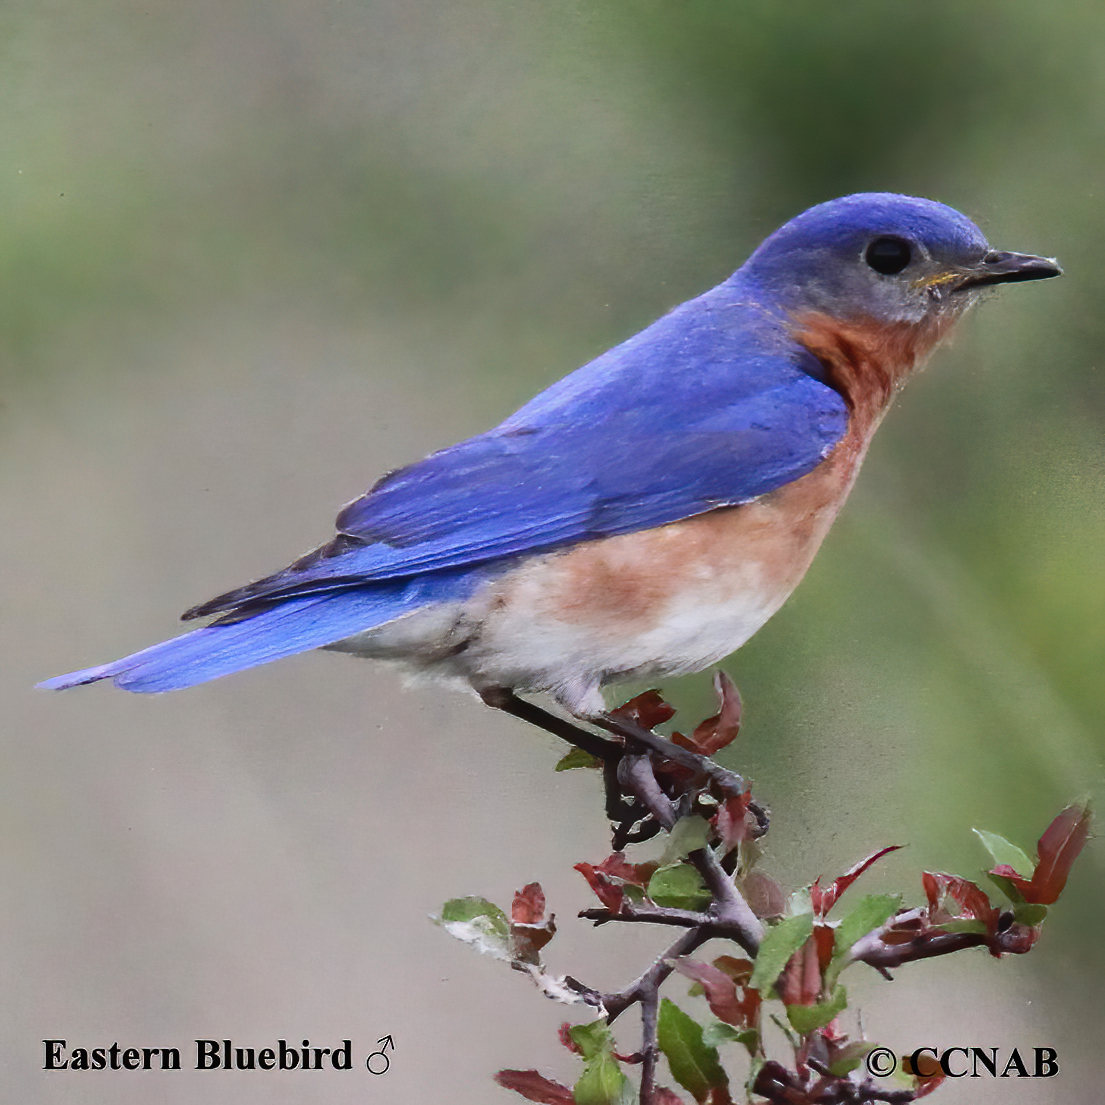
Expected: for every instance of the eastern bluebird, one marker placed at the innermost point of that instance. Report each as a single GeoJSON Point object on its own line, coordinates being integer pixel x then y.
{"type": "Point", "coordinates": [645, 515]}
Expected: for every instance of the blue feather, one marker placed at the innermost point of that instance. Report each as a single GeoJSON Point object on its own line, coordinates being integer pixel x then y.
{"type": "Point", "coordinates": [711, 406]}
{"type": "Point", "coordinates": [293, 626]}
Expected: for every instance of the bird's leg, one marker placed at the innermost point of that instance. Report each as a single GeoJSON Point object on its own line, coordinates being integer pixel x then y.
{"type": "Point", "coordinates": [622, 772]}
{"type": "Point", "coordinates": [503, 698]}
{"type": "Point", "coordinates": [609, 753]}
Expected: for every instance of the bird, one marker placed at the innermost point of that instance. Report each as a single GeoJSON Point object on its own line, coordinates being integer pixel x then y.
{"type": "Point", "coordinates": [648, 513]}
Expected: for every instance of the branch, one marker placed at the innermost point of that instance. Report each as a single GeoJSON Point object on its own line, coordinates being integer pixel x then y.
{"type": "Point", "coordinates": [653, 915]}
{"type": "Point", "coordinates": [650, 1052]}
{"type": "Point", "coordinates": [649, 982]}
{"type": "Point", "coordinates": [730, 908]}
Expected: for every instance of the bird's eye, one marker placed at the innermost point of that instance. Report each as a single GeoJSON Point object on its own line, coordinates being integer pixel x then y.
{"type": "Point", "coordinates": [888, 255]}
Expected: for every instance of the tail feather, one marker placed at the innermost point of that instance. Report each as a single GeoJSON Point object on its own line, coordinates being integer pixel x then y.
{"type": "Point", "coordinates": [296, 625]}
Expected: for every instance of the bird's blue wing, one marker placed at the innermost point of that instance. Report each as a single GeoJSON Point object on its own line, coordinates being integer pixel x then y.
{"type": "Point", "coordinates": [682, 419]}
{"type": "Point", "coordinates": [518, 490]}
{"type": "Point", "coordinates": [697, 412]}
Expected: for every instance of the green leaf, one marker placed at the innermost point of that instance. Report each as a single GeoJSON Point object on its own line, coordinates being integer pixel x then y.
{"type": "Point", "coordinates": [687, 835]}
{"type": "Point", "coordinates": [871, 911]}
{"type": "Point", "coordinates": [794, 1040]}
{"type": "Point", "coordinates": [718, 1032]}
{"type": "Point", "coordinates": [603, 1081]}
{"type": "Point", "coordinates": [604, 1084]}
{"type": "Point", "coordinates": [799, 902]}
{"type": "Point", "coordinates": [593, 1039]}
{"type": "Point", "coordinates": [469, 909]}
{"type": "Point", "coordinates": [1028, 913]}
{"type": "Point", "coordinates": [805, 1018]}
{"type": "Point", "coordinates": [779, 944]}
{"type": "Point", "coordinates": [693, 1064]}
{"type": "Point", "coordinates": [850, 1056]}
{"type": "Point", "coordinates": [477, 922]}
{"type": "Point", "coordinates": [1007, 886]}
{"type": "Point", "coordinates": [868, 914]}
{"type": "Point", "coordinates": [1005, 852]}
{"type": "Point", "coordinates": [678, 887]}
{"type": "Point", "coordinates": [576, 757]}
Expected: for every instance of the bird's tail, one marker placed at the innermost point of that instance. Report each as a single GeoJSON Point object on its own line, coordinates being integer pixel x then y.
{"type": "Point", "coordinates": [295, 625]}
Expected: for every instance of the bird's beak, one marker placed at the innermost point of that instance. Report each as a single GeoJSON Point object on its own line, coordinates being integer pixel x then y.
{"type": "Point", "coordinates": [1005, 268]}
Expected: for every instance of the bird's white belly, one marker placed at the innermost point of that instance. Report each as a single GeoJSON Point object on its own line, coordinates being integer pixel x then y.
{"type": "Point", "coordinates": [508, 635]}
{"type": "Point", "coordinates": [657, 602]}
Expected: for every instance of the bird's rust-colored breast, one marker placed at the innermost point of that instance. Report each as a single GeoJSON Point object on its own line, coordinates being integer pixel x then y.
{"type": "Point", "coordinates": [760, 550]}
{"type": "Point", "coordinates": [868, 361]}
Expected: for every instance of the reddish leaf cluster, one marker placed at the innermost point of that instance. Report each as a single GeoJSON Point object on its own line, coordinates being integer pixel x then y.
{"type": "Point", "coordinates": [731, 820]}
{"type": "Point", "coordinates": [609, 879]}
{"type": "Point", "coordinates": [725, 983]}
{"type": "Point", "coordinates": [535, 1087]}
{"type": "Point", "coordinates": [955, 906]}
{"type": "Point", "coordinates": [529, 931]}
{"type": "Point", "coordinates": [799, 959]}
{"type": "Point", "coordinates": [802, 980]}
{"type": "Point", "coordinates": [1056, 851]}
{"type": "Point", "coordinates": [824, 900]}
{"type": "Point", "coordinates": [646, 710]}
{"type": "Point", "coordinates": [713, 734]}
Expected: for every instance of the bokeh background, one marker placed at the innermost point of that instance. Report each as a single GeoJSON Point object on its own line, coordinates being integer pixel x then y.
{"type": "Point", "coordinates": [255, 253]}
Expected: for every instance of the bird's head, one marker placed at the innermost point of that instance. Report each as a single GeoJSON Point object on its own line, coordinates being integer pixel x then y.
{"type": "Point", "coordinates": [883, 258]}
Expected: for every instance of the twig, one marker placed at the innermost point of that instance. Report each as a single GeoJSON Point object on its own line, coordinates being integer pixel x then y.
{"type": "Point", "coordinates": [730, 908]}
{"type": "Point", "coordinates": [652, 915]}
{"type": "Point", "coordinates": [635, 774]}
{"type": "Point", "coordinates": [649, 982]}
{"type": "Point", "coordinates": [728, 782]}
{"type": "Point", "coordinates": [882, 956]}
{"type": "Point", "coordinates": [650, 1002]}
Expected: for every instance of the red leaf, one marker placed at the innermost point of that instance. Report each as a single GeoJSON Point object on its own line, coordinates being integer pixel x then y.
{"type": "Point", "coordinates": [764, 895]}
{"type": "Point", "coordinates": [535, 1087]}
{"type": "Point", "coordinates": [565, 1034]}
{"type": "Point", "coordinates": [528, 907]}
{"type": "Point", "coordinates": [663, 1096]}
{"type": "Point", "coordinates": [927, 1083]}
{"type": "Point", "coordinates": [800, 982]}
{"type": "Point", "coordinates": [716, 732]}
{"type": "Point", "coordinates": [739, 970]}
{"type": "Point", "coordinates": [730, 820]}
{"type": "Point", "coordinates": [721, 992]}
{"type": "Point", "coordinates": [610, 894]}
{"type": "Point", "coordinates": [526, 941]}
{"type": "Point", "coordinates": [636, 874]}
{"type": "Point", "coordinates": [823, 938]}
{"type": "Point", "coordinates": [648, 710]}
{"type": "Point", "coordinates": [971, 902]}
{"type": "Point", "coordinates": [1056, 852]}
{"type": "Point", "coordinates": [824, 900]}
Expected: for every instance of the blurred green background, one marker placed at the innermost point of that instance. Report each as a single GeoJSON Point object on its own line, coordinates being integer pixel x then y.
{"type": "Point", "coordinates": [254, 254]}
